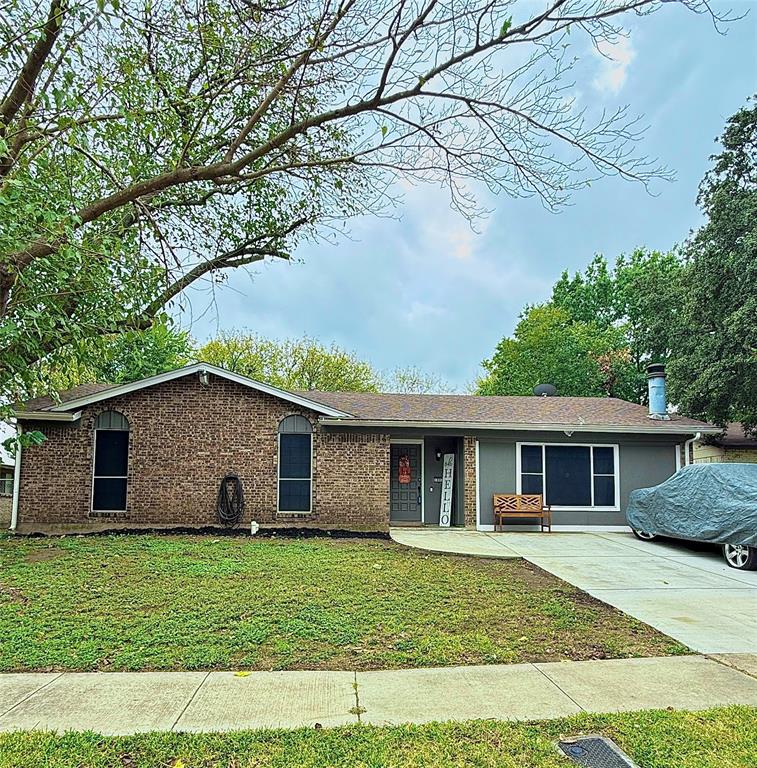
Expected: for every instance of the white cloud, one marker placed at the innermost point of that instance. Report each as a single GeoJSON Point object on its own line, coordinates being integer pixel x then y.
{"type": "Point", "coordinates": [615, 60]}
{"type": "Point", "coordinates": [420, 310]}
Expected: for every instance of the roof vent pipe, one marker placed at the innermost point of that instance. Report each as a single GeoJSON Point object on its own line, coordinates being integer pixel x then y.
{"type": "Point", "coordinates": [658, 401]}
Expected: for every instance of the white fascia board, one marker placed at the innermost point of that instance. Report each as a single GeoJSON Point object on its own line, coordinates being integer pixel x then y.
{"type": "Point", "coordinates": [188, 370]}
{"type": "Point", "coordinates": [658, 429]}
{"type": "Point", "coordinates": [47, 416]}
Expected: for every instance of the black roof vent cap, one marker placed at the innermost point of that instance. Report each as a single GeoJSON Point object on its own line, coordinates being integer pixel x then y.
{"type": "Point", "coordinates": [545, 390]}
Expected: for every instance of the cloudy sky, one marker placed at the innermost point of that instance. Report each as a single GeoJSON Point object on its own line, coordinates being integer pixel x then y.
{"type": "Point", "coordinates": [425, 289]}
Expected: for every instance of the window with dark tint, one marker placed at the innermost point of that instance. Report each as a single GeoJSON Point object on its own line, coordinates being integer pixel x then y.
{"type": "Point", "coordinates": [568, 475]}
{"type": "Point", "coordinates": [572, 475]}
{"type": "Point", "coordinates": [295, 464]}
{"type": "Point", "coordinates": [111, 462]}
{"type": "Point", "coordinates": [604, 476]}
{"type": "Point", "coordinates": [531, 468]}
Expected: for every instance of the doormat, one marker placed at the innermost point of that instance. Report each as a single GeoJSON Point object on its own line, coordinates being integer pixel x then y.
{"type": "Point", "coordinates": [595, 752]}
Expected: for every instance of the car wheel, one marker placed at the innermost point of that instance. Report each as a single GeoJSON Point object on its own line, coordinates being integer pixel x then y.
{"type": "Point", "coordinates": [643, 535]}
{"type": "Point", "coordinates": [740, 556]}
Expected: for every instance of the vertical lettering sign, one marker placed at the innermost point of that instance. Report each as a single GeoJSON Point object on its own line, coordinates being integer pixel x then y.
{"type": "Point", "coordinates": [448, 477]}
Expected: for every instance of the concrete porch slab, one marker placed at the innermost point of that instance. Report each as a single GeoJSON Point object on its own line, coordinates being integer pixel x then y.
{"type": "Point", "coordinates": [452, 542]}
{"type": "Point", "coordinates": [227, 701]}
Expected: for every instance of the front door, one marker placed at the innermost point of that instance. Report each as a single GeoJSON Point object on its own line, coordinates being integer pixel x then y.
{"type": "Point", "coordinates": [405, 487]}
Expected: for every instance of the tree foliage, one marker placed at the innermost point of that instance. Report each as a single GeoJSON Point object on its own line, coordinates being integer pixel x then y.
{"type": "Point", "coordinates": [294, 364]}
{"type": "Point", "coordinates": [147, 145]}
{"type": "Point", "coordinates": [412, 380]}
{"type": "Point", "coordinates": [114, 359]}
{"type": "Point", "coordinates": [638, 297]}
{"type": "Point", "coordinates": [598, 332]}
{"type": "Point", "coordinates": [551, 347]}
{"type": "Point", "coordinates": [714, 370]}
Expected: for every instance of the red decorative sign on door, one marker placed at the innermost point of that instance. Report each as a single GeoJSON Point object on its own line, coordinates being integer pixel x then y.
{"type": "Point", "coordinates": [404, 469]}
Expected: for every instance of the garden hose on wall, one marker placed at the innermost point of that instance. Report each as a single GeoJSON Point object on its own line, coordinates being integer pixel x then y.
{"type": "Point", "coordinates": [230, 501]}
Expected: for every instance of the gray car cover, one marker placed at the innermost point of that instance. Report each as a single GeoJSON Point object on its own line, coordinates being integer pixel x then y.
{"type": "Point", "coordinates": [702, 502]}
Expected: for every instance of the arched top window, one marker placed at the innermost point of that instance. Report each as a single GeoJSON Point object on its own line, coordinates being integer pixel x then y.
{"type": "Point", "coordinates": [295, 425]}
{"type": "Point", "coordinates": [112, 420]}
{"type": "Point", "coordinates": [111, 465]}
{"type": "Point", "coordinates": [295, 464]}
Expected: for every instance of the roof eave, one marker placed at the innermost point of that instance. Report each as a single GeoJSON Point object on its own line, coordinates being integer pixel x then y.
{"type": "Point", "coordinates": [659, 428]}
{"type": "Point", "coordinates": [47, 416]}
{"type": "Point", "coordinates": [125, 389]}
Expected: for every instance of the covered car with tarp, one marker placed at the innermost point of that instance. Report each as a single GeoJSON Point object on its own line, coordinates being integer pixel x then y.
{"type": "Point", "coordinates": [714, 503]}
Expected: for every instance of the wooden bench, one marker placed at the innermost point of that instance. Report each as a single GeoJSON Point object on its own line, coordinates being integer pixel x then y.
{"type": "Point", "coordinates": [514, 505]}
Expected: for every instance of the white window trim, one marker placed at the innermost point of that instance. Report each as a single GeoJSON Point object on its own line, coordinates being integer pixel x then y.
{"type": "Point", "coordinates": [109, 477]}
{"type": "Point", "coordinates": [279, 478]}
{"type": "Point", "coordinates": [592, 508]}
{"type": "Point", "coordinates": [412, 441]}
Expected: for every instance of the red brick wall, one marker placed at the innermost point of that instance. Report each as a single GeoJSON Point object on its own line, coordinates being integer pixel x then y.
{"type": "Point", "coordinates": [469, 480]}
{"type": "Point", "coordinates": [184, 438]}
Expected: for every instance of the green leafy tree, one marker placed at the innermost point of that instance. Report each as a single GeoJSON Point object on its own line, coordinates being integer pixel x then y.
{"type": "Point", "coordinates": [149, 145]}
{"type": "Point", "coordinates": [550, 347]}
{"type": "Point", "coordinates": [115, 359]}
{"type": "Point", "coordinates": [294, 364]}
{"type": "Point", "coordinates": [638, 297]}
{"type": "Point", "coordinates": [413, 380]}
{"type": "Point", "coordinates": [714, 370]}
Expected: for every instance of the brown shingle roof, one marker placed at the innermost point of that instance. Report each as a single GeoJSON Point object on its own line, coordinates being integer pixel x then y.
{"type": "Point", "coordinates": [734, 437]}
{"type": "Point", "coordinates": [574, 411]}
{"type": "Point", "coordinates": [46, 402]}
{"type": "Point", "coordinates": [470, 409]}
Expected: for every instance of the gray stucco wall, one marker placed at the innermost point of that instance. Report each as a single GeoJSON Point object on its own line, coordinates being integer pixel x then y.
{"type": "Point", "coordinates": [643, 461]}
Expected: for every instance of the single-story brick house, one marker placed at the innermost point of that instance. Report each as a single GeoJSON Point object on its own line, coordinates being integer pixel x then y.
{"type": "Point", "coordinates": [153, 453]}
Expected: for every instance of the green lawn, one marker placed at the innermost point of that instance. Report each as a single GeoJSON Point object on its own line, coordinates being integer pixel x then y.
{"type": "Point", "coordinates": [197, 602]}
{"type": "Point", "coordinates": [717, 738]}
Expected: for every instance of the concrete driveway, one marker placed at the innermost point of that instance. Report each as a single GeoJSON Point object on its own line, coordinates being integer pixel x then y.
{"type": "Point", "coordinates": [686, 591]}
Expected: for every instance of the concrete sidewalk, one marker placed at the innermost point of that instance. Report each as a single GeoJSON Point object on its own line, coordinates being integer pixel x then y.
{"type": "Point", "coordinates": [130, 702]}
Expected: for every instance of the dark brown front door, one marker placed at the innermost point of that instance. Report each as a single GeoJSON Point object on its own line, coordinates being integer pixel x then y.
{"type": "Point", "coordinates": [405, 486]}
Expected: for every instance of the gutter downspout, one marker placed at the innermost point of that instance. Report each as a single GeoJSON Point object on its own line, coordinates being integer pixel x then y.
{"type": "Point", "coordinates": [16, 481]}
{"type": "Point", "coordinates": [686, 445]}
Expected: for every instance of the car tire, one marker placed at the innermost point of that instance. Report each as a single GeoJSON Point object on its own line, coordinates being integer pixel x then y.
{"type": "Point", "coordinates": [643, 535]}
{"type": "Point", "coordinates": [743, 558]}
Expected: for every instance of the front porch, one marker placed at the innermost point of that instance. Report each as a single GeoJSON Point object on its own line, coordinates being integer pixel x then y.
{"type": "Point", "coordinates": [429, 479]}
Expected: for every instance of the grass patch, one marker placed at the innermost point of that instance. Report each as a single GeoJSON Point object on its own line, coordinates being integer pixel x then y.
{"type": "Point", "coordinates": [717, 738]}
{"type": "Point", "coordinates": [192, 602]}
